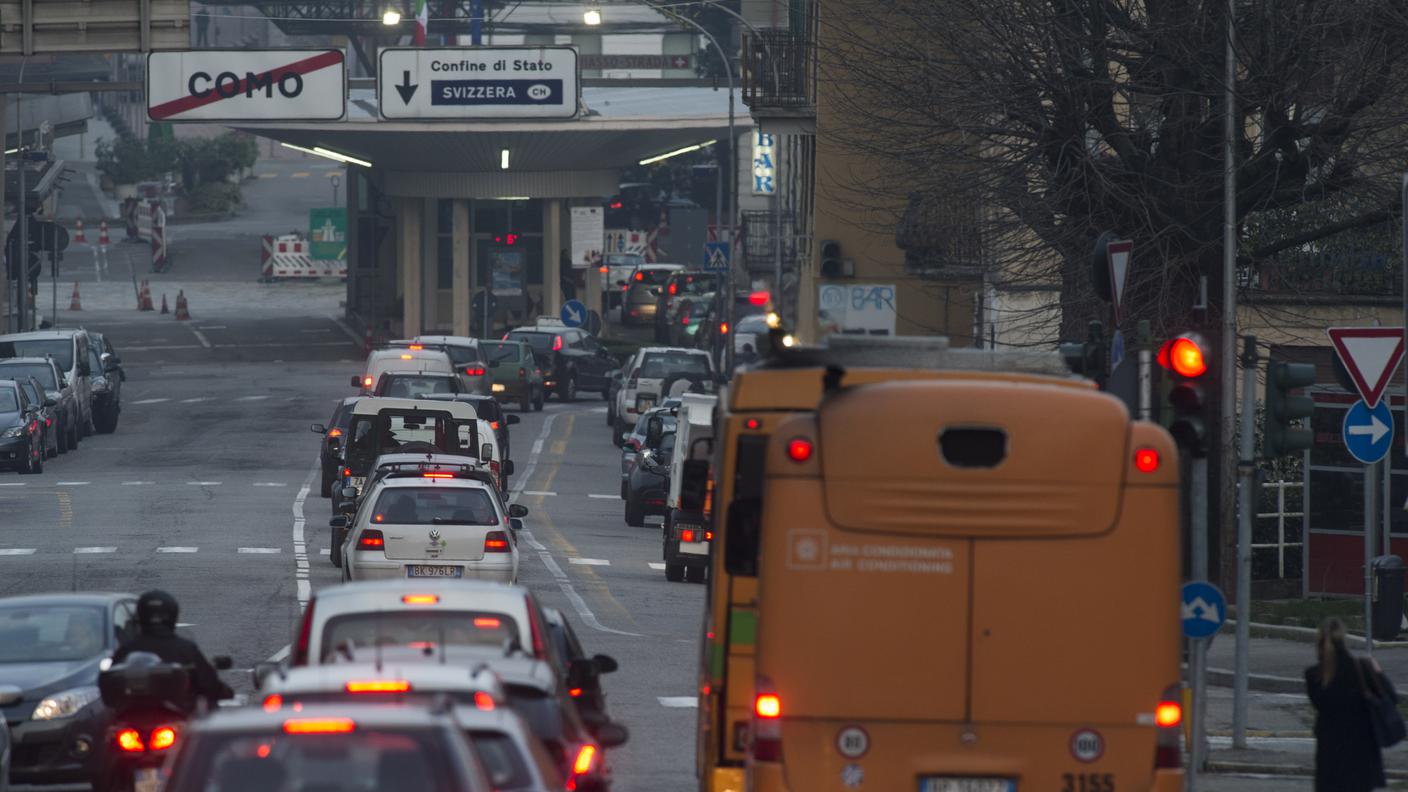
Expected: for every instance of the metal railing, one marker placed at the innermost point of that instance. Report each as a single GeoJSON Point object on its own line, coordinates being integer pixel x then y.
{"type": "Point", "coordinates": [779, 70]}
{"type": "Point", "coordinates": [1280, 515]}
{"type": "Point", "coordinates": [760, 228]}
{"type": "Point", "coordinates": [1349, 274]}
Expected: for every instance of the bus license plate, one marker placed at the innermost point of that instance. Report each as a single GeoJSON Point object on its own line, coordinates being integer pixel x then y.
{"type": "Point", "coordinates": [433, 571]}
{"type": "Point", "coordinates": [967, 785]}
{"type": "Point", "coordinates": [694, 548]}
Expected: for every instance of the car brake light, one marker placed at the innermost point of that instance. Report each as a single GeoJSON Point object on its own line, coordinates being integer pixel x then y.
{"type": "Point", "coordinates": [334, 432]}
{"type": "Point", "coordinates": [347, 471]}
{"type": "Point", "coordinates": [557, 343]}
{"type": "Point", "coordinates": [273, 702]}
{"type": "Point", "coordinates": [496, 542]}
{"type": "Point", "coordinates": [759, 298]}
{"type": "Point", "coordinates": [483, 701]}
{"type": "Point", "coordinates": [640, 276]}
{"type": "Point", "coordinates": [575, 692]}
{"type": "Point", "coordinates": [674, 289]}
{"type": "Point", "coordinates": [438, 475]}
{"type": "Point", "coordinates": [687, 535]}
{"type": "Point", "coordinates": [163, 737]}
{"type": "Point", "coordinates": [1168, 716]}
{"type": "Point", "coordinates": [130, 740]}
{"type": "Point", "coordinates": [486, 622]}
{"type": "Point", "coordinates": [408, 357]}
{"type": "Point", "coordinates": [799, 449]}
{"type": "Point", "coordinates": [586, 756]}
{"type": "Point", "coordinates": [421, 599]}
{"type": "Point", "coordinates": [1146, 460]}
{"type": "Point", "coordinates": [378, 686]}
{"type": "Point", "coordinates": [320, 726]}
{"type": "Point", "coordinates": [684, 320]}
{"type": "Point", "coordinates": [371, 538]}
{"type": "Point", "coordinates": [494, 425]}
{"type": "Point", "coordinates": [305, 633]}
{"type": "Point", "coordinates": [474, 371]}
{"type": "Point", "coordinates": [723, 328]}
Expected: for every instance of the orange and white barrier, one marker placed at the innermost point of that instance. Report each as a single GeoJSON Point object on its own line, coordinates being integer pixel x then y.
{"type": "Point", "coordinates": [286, 257]}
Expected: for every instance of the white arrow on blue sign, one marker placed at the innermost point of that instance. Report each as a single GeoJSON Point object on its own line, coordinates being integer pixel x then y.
{"type": "Point", "coordinates": [1368, 433]}
{"type": "Point", "coordinates": [1204, 609]}
{"type": "Point", "coordinates": [574, 313]}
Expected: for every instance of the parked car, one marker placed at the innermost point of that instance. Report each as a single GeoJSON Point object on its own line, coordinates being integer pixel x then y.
{"type": "Point", "coordinates": [48, 429]}
{"type": "Point", "coordinates": [108, 377]}
{"type": "Point", "coordinates": [21, 430]}
{"type": "Point", "coordinates": [575, 360]}
{"type": "Point", "coordinates": [643, 290]}
{"type": "Point", "coordinates": [517, 374]}
{"type": "Point", "coordinates": [66, 412]}
{"type": "Point", "coordinates": [69, 349]}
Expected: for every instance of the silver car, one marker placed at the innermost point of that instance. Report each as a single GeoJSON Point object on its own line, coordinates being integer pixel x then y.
{"type": "Point", "coordinates": [66, 413]}
{"type": "Point", "coordinates": [468, 358]}
{"type": "Point", "coordinates": [68, 348]}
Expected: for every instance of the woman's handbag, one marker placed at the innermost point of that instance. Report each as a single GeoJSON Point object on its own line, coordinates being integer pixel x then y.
{"type": "Point", "coordinates": [1384, 717]}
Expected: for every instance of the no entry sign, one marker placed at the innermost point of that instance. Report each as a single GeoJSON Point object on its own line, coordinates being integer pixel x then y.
{"type": "Point", "coordinates": [235, 86]}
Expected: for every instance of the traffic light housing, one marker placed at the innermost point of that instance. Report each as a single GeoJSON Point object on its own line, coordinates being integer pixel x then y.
{"type": "Point", "coordinates": [832, 264]}
{"type": "Point", "coordinates": [1278, 436]}
{"type": "Point", "coordinates": [1184, 357]}
{"type": "Point", "coordinates": [1087, 358]}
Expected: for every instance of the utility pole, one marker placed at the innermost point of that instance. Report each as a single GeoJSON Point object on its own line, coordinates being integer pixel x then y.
{"type": "Point", "coordinates": [1228, 345]}
{"type": "Point", "coordinates": [1246, 476]}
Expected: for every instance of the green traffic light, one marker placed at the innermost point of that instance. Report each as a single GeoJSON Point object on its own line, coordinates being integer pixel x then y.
{"type": "Point", "coordinates": [1280, 435]}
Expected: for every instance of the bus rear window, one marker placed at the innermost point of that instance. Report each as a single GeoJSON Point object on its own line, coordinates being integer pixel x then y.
{"type": "Point", "coordinates": [745, 511]}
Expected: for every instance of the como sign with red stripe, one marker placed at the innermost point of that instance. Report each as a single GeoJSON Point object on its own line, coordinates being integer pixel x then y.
{"type": "Point", "coordinates": [235, 86]}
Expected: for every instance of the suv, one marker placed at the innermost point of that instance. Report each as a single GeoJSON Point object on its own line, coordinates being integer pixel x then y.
{"type": "Point", "coordinates": [573, 358]}
{"type": "Point", "coordinates": [517, 374]}
{"type": "Point", "coordinates": [651, 376]}
{"type": "Point", "coordinates": [68, 348]}
{"type": "Point", "coordinates": [66, 412]}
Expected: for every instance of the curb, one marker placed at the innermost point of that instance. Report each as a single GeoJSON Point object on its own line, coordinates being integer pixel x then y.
{"type": "Point", "coordinates": [1266, 683]}
{"type": "Point", "coordinates": [1305, 635]}
{"type": "Point", "coordinates": [1290, 734]}
{"type": "Point", "coordinates": [1259, 768]}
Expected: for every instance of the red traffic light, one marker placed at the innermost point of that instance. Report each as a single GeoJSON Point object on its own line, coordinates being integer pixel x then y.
{"type": "Point", "coordinates": [1184, 356]}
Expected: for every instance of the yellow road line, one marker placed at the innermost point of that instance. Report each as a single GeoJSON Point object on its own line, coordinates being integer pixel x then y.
{"type": "Point", "coordinates": [300, 175]}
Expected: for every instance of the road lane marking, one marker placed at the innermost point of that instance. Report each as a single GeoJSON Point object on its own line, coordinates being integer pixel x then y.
{"type": "Point", "coordinates": [341, 325]}
{"type": "Point", "coordinates": [316, 330]}
{"type": "Point", "coordinates": [261, 550]}
{"type": "Point", "coordinates": [70, 483]}
{"type": "Point", "coordinates": [682, 702]}
{"type": "Point", "coordinates": [251, 398]}
{"type": "Point", "coordinates": [658, 566]}
{"type": "Point", "coordinates": [300, 175]}
{"type": "Point", "coordinates": [300, 546]}
{"type": "Point", "coordinates": [203, 483]}
{"type": "Point", "coordinates": [599, 496]}
{"type": "Point", "coordinates": [150, 347]}
{"type": "Point", "coordinates": [177, 549]}
{"type": "Point", "coordinates": [148, 401]}
{"type": "Point", "coordinates": [196, 400]}
{"type": "Point", "coordinates": [212, 327]}
{"type": "Point", "coordinates": [589, 561]}
{"type": "Point", "coordinates": [270, 484]}
{"type": "Point", "coordinates": [16, 551]}
{"type": "Point", "coordinates": [93, 550]}
{"type": "Point", "coordinates": [539, 493]}
{"type": "Point", "coordinates": [327, 551]}
{"type": "Point", "coordinates": [14, 484]}
{"type": "Point", "coordinates": [205, 342]}
{"type": "Point", "coordinates": [138, 483]}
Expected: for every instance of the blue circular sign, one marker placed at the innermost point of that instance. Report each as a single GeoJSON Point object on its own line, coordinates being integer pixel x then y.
{"type": "Point", "coordinates": [1368, 433]}
{"type": "Point", "coordinates": [574, 313]}
{"type": "Point", "coordinates": [1204, 609]}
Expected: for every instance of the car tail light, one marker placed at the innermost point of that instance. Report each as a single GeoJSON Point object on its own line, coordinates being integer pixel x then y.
{"type": "Point", "coordinates": [723, 328]}
{"type": "Point", "coordinates": [483, 701]}
{"type": "Point", "coordinates": [371, 540]}
{"type": "Point", "coordinates": [708, 536]}
{"type": "Point", "coordinates": [494, 467]}
{"type": "Point", "coordinates": [163, 737]}
{"type": "Point", "coordinates": [640, 276]}
{"type": "Point", "coordinates": [674, 289]}
{"type": "Point", "coordinates": [487, 622]}
{"type": "Point", "coordinates": [320, 726]}
{"type": "Point", "coordinates": [687, 535]}
{"type": "Point", "coordinates": [575, 692]}
{"type": "Point", "coordinates": [684, 320]}
{"type": "Point", "coordinates": [50, 422]}
{"type": "Point", "coordinates": [305, 633]}
{"type": "Point", "coordinates": [438, 475]}
{"type": "Point", "coordinates": [273, 702]}
{"type": "Point", "coordinates": [347, 471]}
{"type": "Point", "coordinates": [535, 625]}
{"type": "Point", "coordinates": [634, 444]}
{"type": "Point", "coordinates": [496, 542]}
{"type": "Point", "coordinates": [130, 740]}
{"type": "Point", "coordinates": [420, 599]}
{"type": "Point", "coordinates": [766, 744]}
{"type": "Point", "coordinates": [557, 343]}
{"type": "Point", "coordinates": [474, 371]}
{"type": "Point", "coordinates": [586, 757]}
{"type": "Point", "coordinates": [494, 425]}
{"type": "Point", "coordinates": [378, 686]}
{"type": "Point", "coordinates": [1168, 717]}
{"type": "Point", "coordinates": [334, 432]}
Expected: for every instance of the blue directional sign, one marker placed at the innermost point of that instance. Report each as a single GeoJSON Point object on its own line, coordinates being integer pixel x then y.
{"type": "Point", "coordinates": [1116, 349]}
{"type": "Point", "coordinates": [574, 313]}
{"type": "Point", "coordinates": [716, 256]}
{"type": "Point", "coordinates": [1368, 433]}
{"type": "Point", "coordinates": [1204, 609]}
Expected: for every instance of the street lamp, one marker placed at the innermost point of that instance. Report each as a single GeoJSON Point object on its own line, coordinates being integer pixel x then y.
{"type": "Point", "coordinates": [390, 17]}
{"type": "Point", "coordinates": [592, 16]}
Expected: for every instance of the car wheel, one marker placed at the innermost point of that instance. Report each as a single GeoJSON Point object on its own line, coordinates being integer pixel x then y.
{"type": "Point", "coordinates": [616, 432]}
{"type": "Point", "coordinates": [674, 572]}
{"type": "Point", "coordinates": [611, 413]}
{"type": "Point", "coordinates": [568, 391]}
{"type": "Point", "coordinates": [50, 455]}
{"type": "Point", "coordinates": [538, 402]}
{"type": "Point", "coordinates": [624, 489]}
{"type": "Point", "coordinates": [694, 574]}
{"type": "Point", "coordinates": [526, 403]}
{"type": "Point", "coordinates": [635, 513]}
{"type": "Point", "coordinates": [606, 396]}
{"type": "Point", "coordinates": [73, 436]}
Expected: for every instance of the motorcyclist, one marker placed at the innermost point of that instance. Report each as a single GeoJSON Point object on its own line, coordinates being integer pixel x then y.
{"type": "Point", "coordinates": [156, 617]}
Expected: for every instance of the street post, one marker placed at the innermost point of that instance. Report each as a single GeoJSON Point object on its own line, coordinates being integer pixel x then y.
{"type": "Point", "coordinates": [1246, 479]}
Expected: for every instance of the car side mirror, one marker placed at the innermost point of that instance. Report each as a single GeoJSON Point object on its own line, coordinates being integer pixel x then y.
{"type": "Point", "coordinates": [318, 429]}
{"type": "Point", "coordinates": [517, 510]}
{"type": "Point", "coordinates": [222, 662]}
{"type": "Point", "coordinates": [508, 467]}
{"type": "Point", "coordinates": [339, 521]}
{"type": "Point", "coordinates": [612, 735]}
{"type": "Point", "coordinates": [348, 492]}
{"type": "Point", "coordinates": [515, 523]}
{"type": "Point", "coordinates": [512, 420]}
{"type": "Point", "coordinates": [356, 382]}
{"type": "Point", "coordinates": [605, 664]}
{"type": "Point", "coordinates": [49, 401]}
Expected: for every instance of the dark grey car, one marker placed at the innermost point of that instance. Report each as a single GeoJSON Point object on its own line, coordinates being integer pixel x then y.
{"type": "Point", "coordinates": [108, 377]}
{"type": "Point", "coordinates": [66, 413]}
{"type": "Point", "coordinates": [68, 348]}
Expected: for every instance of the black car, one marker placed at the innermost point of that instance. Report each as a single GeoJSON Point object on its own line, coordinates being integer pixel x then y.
{"type": "Point", "coordinates": [574, 359]}
{"type": "Point", "coordinates": [583, 672]}
{"type": "Point", "coordinates": [649, 482]}
{"type": "Point", "coordinates": [488, 409]}
{"type": "Point", "coordinates": [67, 414]}
{"type": "Point", "coordinates": [21, 430]}
{"type": "Point", "coordinates": [107, 380]}
{"type": "Point", "coordinates": [51, 648]}
{"type": "Point", "coordinates": [48, 422]}
{"type": "Point", "coordinates": [333, 434]}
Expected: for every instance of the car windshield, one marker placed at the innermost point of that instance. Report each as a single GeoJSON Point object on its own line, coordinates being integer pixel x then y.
{"type": "Point", "coordinates": [435, 506]}
{"type": "Point", "coordinates": [367, 757]}
{"type": "Point", "coordinates": [60, 349]}
{"type": "Point", "coordinates": [659, 365]}
{"type": "Point", "coordinates": [539, 709]}
{"type": "Point", "coordinates": [49, 633]}
{"type": "Point", "coordinates": [40, 371]}
{"type": "Point", "coordinates": [503, 353]}
{"type": "Point", "coordinates": [9, 401]}
{"type": "Point", "coordinates": [503, 761]}
{"type": "Point", "coordinates": [540, 342]}
{"type": "Point", "coordinates": [753, 324]}
{"type": "Point", "coordinates": [695, 284]}
{"type": "Point", "coordinates": [402, 386]}
{"type": "Point", "coordinates": [417, 630]}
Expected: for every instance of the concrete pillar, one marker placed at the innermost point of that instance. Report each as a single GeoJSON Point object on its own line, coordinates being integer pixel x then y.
{"type": "Point", "coordinates": [430, 265]}
{"type": "Point", "coordinates": [588, 44]}
{"type": "Point", "coordinates": [460, 293]}
{"type": "Point", "coordinates": [552, 257]}
{"type": "Point", "coordinates": [411, 263]}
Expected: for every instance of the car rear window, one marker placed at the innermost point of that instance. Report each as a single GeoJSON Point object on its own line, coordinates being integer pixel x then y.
{"type": "Point", "coordinates": [463, 355]}
{"type": "Point", "coordinates": [402, 386]}
{"type": "Point", "coordinates": [659, 365]}
{"type": "Point", "coordinates": [60, 349]}
{"type": "Point", "coordinates": [694, 284]}
{"type": "Point", "coordinates": [366, 758]}
{"type": "Point", "coordinates": [505, 764]}
{"type": "Point", "coordinates": [41, 372]}
{"type": "Point", "coordinates": [541, 711]}
{"type": "Point", "coordinates": [540, 342]}
{"type": "Point", "coordinates": [435, 506]}
{"type": "Point", "coordinates": [654, 277]}
{"type": "Point", "coordinates": [415, 629]}
{"type": "Point", "coordinates": [503, 353]}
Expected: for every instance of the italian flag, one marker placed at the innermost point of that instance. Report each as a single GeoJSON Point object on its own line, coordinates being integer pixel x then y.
{"type": "Point", "coordinates": [422, 19]}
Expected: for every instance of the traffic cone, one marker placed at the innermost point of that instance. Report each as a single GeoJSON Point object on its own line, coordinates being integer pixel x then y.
{"type": "Point", "coordinates": [73, 303]}
{"type": "Point", "coordinates": [102, 234]}
{"type": "Point", "coordinates": [78, 235]}
{"type": "Point", "coordinates": [183, 310]}
{"type": "Point", "coordinates": [163, 304]}
{"type": "Point", "coordinates": [144, 299]}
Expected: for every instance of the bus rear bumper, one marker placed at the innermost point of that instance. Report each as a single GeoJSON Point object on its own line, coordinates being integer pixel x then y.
{"type": "Point", "coordinates": [725, 779]}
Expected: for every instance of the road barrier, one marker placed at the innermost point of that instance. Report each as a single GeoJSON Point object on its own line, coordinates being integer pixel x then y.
{"type": "Point", "coordinates": [286, 257]}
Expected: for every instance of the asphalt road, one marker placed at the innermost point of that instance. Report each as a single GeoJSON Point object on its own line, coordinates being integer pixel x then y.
{"type": "Point", "coordinates": [203, 487]}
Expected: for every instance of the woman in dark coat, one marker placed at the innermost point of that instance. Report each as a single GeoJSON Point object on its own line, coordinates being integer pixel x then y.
{"type": "Point", "coordinates": [1347, 754]}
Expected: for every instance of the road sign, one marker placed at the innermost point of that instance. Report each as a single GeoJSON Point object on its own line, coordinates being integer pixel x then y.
{"type": "Point", "coordinates": [247, 85]}
{"type": "Point", "coordinates": [1116, 350]}
{"type": "Point", "coordinates": [1204, 609]}
{"type": "Point", "coordinates": [478, 82]}
{"type": "Point", "coordinates": [716, 255]}
{"type": "Point", "coordinates": [1370, 355]}
{"type": "Point", "coordinates": [327, 233]}
{"type": "Point", "coordinates": [1368, 431]}
{"type": "Point", "coordinates": [574, 313]}
{"type": "Point", "coordinates": [1119, 253]}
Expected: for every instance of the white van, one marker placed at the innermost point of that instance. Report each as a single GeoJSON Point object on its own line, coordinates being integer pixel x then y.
{"type": "Point", "coordinates": [381, 361]}
{"type": "Point", "coordinates": [687, 530]}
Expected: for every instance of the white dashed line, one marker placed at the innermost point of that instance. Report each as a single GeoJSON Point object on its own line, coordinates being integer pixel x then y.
{"type": "Point", "coordinates": [138, 483]}
{"type": "Point", "coordinates": [70, 483]}
{"type": "Point", "coordinates": [327, 551]}
{"type": "Point", "coordinates": [270, 484]}
{"type": "Point", "coordinates": [599, 496]}
{"type": "Point", "coordinates": [196, 400]}
{"type": "Point", "coordinates": [589, 561]}
{"type": "Point", "coordinates": [251, 398]}
{"type": "Point", "coordinates": [149, 401]}
{"type": "Point", "coordinates": [16, 551]}
{"type": "Point", "coordinates": [13, 484]}
{"type": "Point", "coordinates": [212, 327]}
{"type": "Point", "coordinates": [539, 493]}
{"type": "Point", "coordinates": [680, 702]}
{"type": "Point", "coordinates": [204, 483]}
{"type": "Point", "coordinates": [300, 546]}
{"type": "Point", "coordinates": [177, 549]}
{"type": "Point", "coordinates": [205, 342]}
{"type": "Point", "coordinates": [261, 550]}
{"type": "Point", "coordinates": [657, 566]}
{"type": "Point", "coordinates": [93, 550]}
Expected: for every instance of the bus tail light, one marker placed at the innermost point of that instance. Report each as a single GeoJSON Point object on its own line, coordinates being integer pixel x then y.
{"type": "Point", "coordinates": [496, 542]}
{"type": "Point", "coordinates": [687, 535]}
{"type": "Point", "coordinates": [1168, 717]}
{"type": "Point", "coordinates": [799, 449]}
{"type": "Point", "coordinates": [1146, 460]}
{"type": "Point", "coordinates": [372, 539]}
{"type": "Point", "coordinates": [766, 745]}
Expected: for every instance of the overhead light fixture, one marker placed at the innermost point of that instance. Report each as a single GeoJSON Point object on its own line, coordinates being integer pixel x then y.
{"type": "Point", "coordinates": [592, 16]}
{"type": "Point", "coordinates": [12, 151]}
{"type": "Point", "coordinates": [390, 17]}
{"type": "Point", "coordinates": [675, 153]}
{"type": "Point", "coordinates": [319, 151]}
{"type": "Point", "coordinates": [513, 198]}
{"type": "Point", "coordinates": [503, 159]}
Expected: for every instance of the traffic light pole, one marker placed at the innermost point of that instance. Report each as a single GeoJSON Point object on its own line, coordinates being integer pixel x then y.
{"type": "Point", "coordinates": [1370, 495]}
{"type": "Point", "coordinates": [1246, 475]}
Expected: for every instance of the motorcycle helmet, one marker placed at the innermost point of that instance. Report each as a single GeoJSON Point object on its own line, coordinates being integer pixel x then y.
{"type": "Point", "coordinates": [157, 610]}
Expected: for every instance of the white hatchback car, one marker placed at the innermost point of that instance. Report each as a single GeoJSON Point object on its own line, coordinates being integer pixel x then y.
{"type": "Point", "coordinates": [431, 525]}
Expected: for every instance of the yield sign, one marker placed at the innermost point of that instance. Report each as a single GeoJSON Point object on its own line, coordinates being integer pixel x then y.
{"type": "Point", "coordinates": [1370, 355]}
{"type": "Point", "coordinates": [1117, 253]}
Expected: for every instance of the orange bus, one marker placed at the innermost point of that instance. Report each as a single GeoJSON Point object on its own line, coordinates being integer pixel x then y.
{"type": "Point", "coordinates": [965, 582]}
